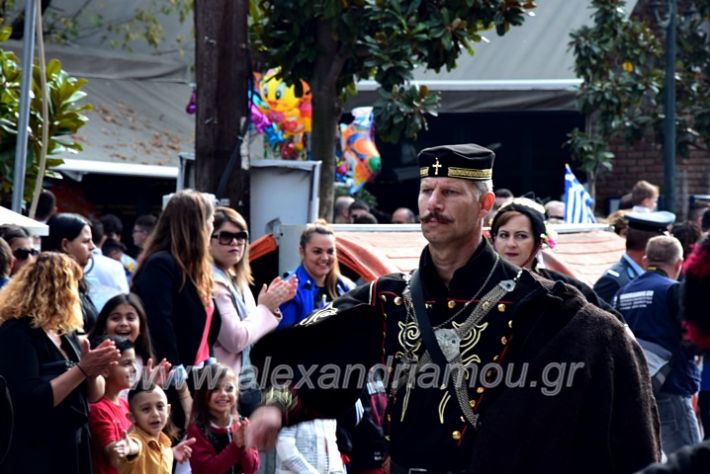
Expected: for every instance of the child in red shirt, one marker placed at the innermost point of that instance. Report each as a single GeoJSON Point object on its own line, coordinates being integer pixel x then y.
{"type": "Point", "coordinates": [107, 417]}
{"type": "Point", "coordinates": [217, 427]}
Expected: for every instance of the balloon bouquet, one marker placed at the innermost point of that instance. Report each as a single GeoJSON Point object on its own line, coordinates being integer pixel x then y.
{"type": "Point", "coordinates": [285, 119]}
{"type": "Point", "coordinates": [281, 116]}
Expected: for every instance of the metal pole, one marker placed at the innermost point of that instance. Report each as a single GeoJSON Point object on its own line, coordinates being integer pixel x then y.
{"type": "Point", "coordinates": [28, 40]}
{"type": "Point", "coordinates": [669, 139]}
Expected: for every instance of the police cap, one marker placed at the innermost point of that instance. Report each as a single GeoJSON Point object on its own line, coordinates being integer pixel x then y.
{"type": "Point", "coordinates": [467, 161]}
{"type": "Point", "coordinates": [657, 221]}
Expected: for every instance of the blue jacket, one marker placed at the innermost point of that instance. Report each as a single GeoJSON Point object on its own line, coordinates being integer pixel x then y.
{"type": "Point", "coordinates": [296, 310]}
{"type": "Point", "coordinates": [650, 304]}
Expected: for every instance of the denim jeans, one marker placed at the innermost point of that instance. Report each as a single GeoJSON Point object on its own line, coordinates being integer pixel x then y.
{"type": "Point", "coordinates": [679, 426]}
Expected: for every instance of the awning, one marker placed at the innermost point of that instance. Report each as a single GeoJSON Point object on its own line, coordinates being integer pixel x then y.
{"type": "Point", "coordinates": [530, 68]}
{"type": "Point", "coordinates": [138, 124]}
{"type": "Point", "coordinates": [34, 227]}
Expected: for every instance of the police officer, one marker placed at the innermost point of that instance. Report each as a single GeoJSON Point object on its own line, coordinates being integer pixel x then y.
{"type": "Point", "coordinates": [651, 306]}
{"type": "Point", "coordinates": [642, 227]}
{"type": "Point", "coordinates": [473, 343]}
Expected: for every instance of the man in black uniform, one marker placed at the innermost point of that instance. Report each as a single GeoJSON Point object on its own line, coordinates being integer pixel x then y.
{"type": "Point", "coordinates": [489, 369]}
{"type": "Point", "coordinates": [642, 227]}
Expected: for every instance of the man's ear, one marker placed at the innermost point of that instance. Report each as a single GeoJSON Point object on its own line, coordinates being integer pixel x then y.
{"type": "Point", "coordinates": [644, 262]}
{"type": "Point", "coordinates": [63, 245]}
{"type": "Point", "coordinates": [487, 201]}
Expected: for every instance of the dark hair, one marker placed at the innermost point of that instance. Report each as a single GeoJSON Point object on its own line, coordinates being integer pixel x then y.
{"type": "Point", "coordinates": [697, 209]}
{"type": "Point", "coordinates": [147, 221]}
{"type": "Point", "coordinates": [144, 347]}
{"type": "Point", "coordinates": [182, 231]}
{"type": "Point", "coordinates": [112, 244]}
{"type": "Point", "coordinates": [112, 224]}
{"type": "Point", "coordinates": [705, 222]}
{"type": "Point", "coordinates": [143, 386]}
{"type": "Point", "coordinates": [637, 239]}
{"type": "Point", "coordinates": [45, 205]}
{"type": "Point", "coordinates": [358, 204]}
{"type": "Point", "coordinates": [688, 233]}
{"type": "Point", "coordinates": [211, 375]}
{"type": "Point", "coordinates": [97, 230]}
{"type": "Point", "coordinates": [10, 232]}
{"type": "Point", "coordinates": [122, 343]}
{"type": "Point", "coordinates": [365, 218]}
{"type": "Point", "coordinates": [625, 202]}
{"type": "Point", "coordinates": [63, 225]}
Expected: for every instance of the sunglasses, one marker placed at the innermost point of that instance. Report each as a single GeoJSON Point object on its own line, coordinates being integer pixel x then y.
{"type": "Point", "coordinates": [23, 254]}
{"type": "Point", "coordinates": [226, 238]}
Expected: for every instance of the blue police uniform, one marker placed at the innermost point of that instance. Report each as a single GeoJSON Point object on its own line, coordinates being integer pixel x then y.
{"type": "Point", "coordinates": [616, 277]}
{"type": "Point", "coordinates": [626, 270]}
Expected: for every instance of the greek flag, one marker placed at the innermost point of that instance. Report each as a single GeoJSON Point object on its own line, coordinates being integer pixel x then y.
{"type": "Point", "coordinates": [578, 202]}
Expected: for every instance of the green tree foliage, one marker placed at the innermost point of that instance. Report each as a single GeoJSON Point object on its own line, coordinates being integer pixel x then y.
{"type": "Point", "coordinates": [65, 117]}
{"type": "Point", "coordinates": [622, 65]}
{"type": "Point", "coordinates": [334, 43]}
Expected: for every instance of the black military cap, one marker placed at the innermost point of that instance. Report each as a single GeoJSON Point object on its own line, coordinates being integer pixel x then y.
{"type": "Point", "coordinates": [466, 161]}
{"type": "Point", "coordinates": [657, 221]}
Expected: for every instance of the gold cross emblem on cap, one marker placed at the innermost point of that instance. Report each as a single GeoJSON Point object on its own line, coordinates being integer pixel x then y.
{"type": "Point", "coordinates": [436, 167]}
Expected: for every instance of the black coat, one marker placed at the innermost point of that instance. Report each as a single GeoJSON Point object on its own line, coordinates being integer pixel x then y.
{"type": "Point", "coordinates": [46, 438]}
{"type": "Point", "coordinates": [176, 315]}
{"type": "Point", "coordinates": [584, 405]}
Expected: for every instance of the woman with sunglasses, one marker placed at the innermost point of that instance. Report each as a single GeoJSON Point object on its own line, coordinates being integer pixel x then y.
{"type": "Point", "coordinates": [243, 321]}
{"type": "Point", "coordinates": [21, 245]}
{"type": "Point", "coordinates": [70, 234]}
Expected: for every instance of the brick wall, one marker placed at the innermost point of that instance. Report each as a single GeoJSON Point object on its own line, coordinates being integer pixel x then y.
{"type": "Point", "coordinates": [645, 161]}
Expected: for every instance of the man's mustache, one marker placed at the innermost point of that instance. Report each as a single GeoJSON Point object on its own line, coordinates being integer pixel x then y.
{"type": "Point", "coordinates": [435, 215]}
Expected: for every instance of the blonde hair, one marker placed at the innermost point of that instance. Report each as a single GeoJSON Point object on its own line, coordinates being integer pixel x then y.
{"type": "Point", "coordinates": [47, 291]}
{"type": "Point", "coordinates": [242, 270]}
{"type": "Point", "coordinates": [331, 279]}
{"type": "Point", "coordinates": [181, 230]}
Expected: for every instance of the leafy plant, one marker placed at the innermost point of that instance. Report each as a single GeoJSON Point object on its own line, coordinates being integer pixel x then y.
{"type": "Point", "coordinates": [65, 118]}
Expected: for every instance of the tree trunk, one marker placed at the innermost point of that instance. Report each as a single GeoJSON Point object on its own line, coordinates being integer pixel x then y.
{"type": "Point", "coordinates": [221, 64]}
{"type": "Point", "coordinates": [326, 112]}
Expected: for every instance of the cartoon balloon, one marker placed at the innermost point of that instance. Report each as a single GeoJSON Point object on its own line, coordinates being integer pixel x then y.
{"type": "Point", "coordinates": [359, 150]}
{"type": "Point", "coordinates": [292, 114]}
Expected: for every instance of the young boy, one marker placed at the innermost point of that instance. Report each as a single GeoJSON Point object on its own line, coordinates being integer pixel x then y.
{"type": "Point", "coordinates": [146, 450]}
{"type": "Point", "coordinates": [107, 417]}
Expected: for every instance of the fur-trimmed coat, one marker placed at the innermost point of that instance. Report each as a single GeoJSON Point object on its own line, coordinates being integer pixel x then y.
{"type": "Point", "coordinates": [574, 395]}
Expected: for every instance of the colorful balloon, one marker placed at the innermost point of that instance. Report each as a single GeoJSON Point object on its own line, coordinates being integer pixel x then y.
{"type": "Point", "coordinates": [359, 149]}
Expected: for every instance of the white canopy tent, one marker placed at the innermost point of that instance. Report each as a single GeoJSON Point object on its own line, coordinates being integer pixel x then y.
{"type": "Point", "coordinates": [34, 227]}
